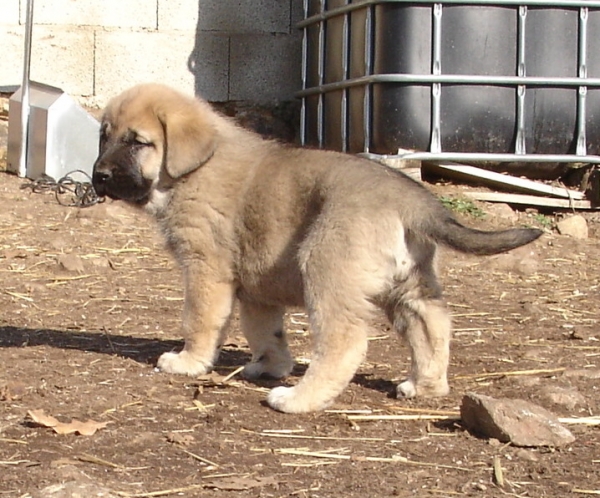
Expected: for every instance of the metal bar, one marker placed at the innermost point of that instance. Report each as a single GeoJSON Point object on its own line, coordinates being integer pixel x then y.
{"type": "Point", "coordinates": [581, 148]}
{"type": "Point", "coordinates": [304, 76]}
{"type": "Point", "coordinates": [368, 69]}
{"type": "Point", "coordinates": [359, 4]}
{"type": "Point", "coordinates": [321, 71]}
{"type": "Point", "coordinates": [25, 108]}
{"type": "Point", "coordinates": [520, 143]}
{"type": "Point", "coordinates": [436, 88]}
{"type": "Point", "coordinates": [485, 156]}
{"type": "Point", "coordinates": [345, 64]}
{"type": "Point", "coordinates": [465, 79]}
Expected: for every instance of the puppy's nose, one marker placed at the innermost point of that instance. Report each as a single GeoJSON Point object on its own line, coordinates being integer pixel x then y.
{"type": "Point", "coordinates": [101, 177]}
{"type": "Point", "coordinates": [99, 180]}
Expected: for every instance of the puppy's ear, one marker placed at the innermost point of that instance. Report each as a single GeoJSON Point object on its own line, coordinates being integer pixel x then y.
{"type": "Point", "coordinates": [190, 140]}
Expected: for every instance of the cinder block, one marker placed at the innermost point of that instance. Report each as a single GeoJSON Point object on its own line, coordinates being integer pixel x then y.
{"type": "Point", "coordinates": [124, 59]}
{"type": "Point", "coordinates": [9, 12]}
{"type": "Point", "coordinates": [107, 13]}
{"type": "Point", "coordinates": [61, 57]}
{"type": "Point", "coordinates": [235, 16]}
{"type": "Point", "coordinates": [265, 68]}
{"type": "Point", "coordinates": [177, 15]}
{"type": "Point", "coordinates": [11, 68]}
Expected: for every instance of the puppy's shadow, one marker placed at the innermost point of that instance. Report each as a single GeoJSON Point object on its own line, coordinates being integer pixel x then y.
{"type": "Point", "coordinates": [376, 384]}
{"type": "Point", "coordinates": [145, 350]}
{"type": "Point", "coordinates": [142, 350]}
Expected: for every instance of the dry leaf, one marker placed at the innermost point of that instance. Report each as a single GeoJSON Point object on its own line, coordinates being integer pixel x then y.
{"type": "Point", "coordinates": [88, 428]}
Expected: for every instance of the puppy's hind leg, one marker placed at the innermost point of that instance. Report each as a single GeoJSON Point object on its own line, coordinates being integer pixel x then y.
{"type": "Point", "coordinates": [340, 345]}
{"type": "Point", "coordinates": [263, 327]}
{"type": "Point", "coordinates": [340, 273]}
{"type": "Point", "coordinates": [426, 326]}
{"type": "Point", "coordinates": [338, 310]}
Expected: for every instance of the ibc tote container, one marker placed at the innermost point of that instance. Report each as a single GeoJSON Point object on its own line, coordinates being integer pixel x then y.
{"type": "Point", "coordinates": [496, 80]}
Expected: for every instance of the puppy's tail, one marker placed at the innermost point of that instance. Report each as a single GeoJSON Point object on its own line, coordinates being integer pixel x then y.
{"type": "Point", "coordinates": [446, 230]}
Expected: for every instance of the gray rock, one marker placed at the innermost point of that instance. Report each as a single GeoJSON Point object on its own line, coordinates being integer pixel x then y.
{"type": "Point", "coordinates": [513, 420]}
{"type": "Point", "coordinates": [574, 226]}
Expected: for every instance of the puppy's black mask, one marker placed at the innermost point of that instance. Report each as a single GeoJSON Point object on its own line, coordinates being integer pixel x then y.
{"type": "Point", "coordinates": [117, 172]}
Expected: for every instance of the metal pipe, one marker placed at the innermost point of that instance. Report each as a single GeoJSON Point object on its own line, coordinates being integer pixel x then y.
{"type": "Point", "coordinates": [581, 148]}
{"type": "Point", "coordinates": [359, 4]}
{"type": "Point", "coordinates": [520, 143]}
{"type": "Point", "coordinates": [465, 157]}
{"type": "Point", "coordinates": [25, 108]}
{"type": "Point", "coordinates": [457, 79]}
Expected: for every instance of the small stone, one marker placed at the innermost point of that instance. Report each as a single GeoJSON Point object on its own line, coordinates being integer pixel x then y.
{"type": "Point", "coordinates": [100, 262]}
{"type": "Point", "coordinates": [74, 489]}
{"type": "Point", "coordinates": [527, 381]}
{"type": "Point", "coordinates": [71, 263]}
{"type": "Point", "coordinates": [528, 455]}
{"type": "Point", "coordinates": [569, 398]}
{"type": "Point", "coordinates": [513, 420]}
{"type": "Point", "coordinates": [574, 226]}
{"type": "Point", "coordinates": [523, 260]}
{"type": "Point", "coordinates": [586, 373]}
{"type": "Point", "coordinates": [502, 211]}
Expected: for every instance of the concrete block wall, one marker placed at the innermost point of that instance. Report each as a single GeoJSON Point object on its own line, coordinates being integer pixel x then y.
{"type": "Point", "coordinates": [224, 50]}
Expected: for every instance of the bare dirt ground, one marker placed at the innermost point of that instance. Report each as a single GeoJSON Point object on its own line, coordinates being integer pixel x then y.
{"type": "Point", "coordinates": [90, 299]}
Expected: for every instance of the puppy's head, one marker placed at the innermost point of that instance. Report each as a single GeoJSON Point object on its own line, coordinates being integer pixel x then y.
{"type": "Point", "coordinates": [151, 134]}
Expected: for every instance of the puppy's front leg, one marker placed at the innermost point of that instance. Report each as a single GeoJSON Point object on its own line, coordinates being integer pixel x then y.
{"type": "Point", "coordinates": [207, 308]}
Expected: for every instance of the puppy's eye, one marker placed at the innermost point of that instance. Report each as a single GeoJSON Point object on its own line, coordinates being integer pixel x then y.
{"type": "Point", "coordinates": [140, 141]}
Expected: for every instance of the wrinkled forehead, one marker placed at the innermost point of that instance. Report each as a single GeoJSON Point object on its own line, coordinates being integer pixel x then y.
{"type": "Point", "coordinates": [132, 111]}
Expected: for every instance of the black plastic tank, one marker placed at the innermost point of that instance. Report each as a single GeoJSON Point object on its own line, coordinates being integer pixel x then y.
{"type": "Point", "coordinates": [476, 52]}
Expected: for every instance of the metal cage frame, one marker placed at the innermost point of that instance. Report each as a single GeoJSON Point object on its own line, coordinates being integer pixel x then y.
{"type": "Point", "coordinates": [520, 81]}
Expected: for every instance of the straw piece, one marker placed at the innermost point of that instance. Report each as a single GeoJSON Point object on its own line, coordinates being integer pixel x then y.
{"type": "Point", "coordinates": [424, 411]}
{"type": "Point", "coordinates": [232, 374]}
{"type": "Point", "coordinates": [16, 441]}
{"type": "Point", "coordinates": [164, 492]}
{"type": "Point", "coordinates": [498, 474]}
{"type": "Point", "coordinates": [99, 461]}
{"type": "Point", "coordinates": [510, 373]}
{"type": "Point", "coordinates": [393, 459]}
{"type": "Point", "coordinates": [401, 417]}
{"type": "Point", "coordinates": [319, 438]}
{"type": "Point", "coordinates": [19, 296]}
{"type": "Point", "coordinates": [199, 458]}
{"type": "Point", "coordinates": [580, 420]}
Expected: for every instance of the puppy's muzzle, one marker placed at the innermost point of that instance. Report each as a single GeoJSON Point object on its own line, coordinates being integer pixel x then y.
{"type": "Point", "coordinates": [100, 180]}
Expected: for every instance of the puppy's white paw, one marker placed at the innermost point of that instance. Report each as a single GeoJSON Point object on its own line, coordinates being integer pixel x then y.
{"type": "Point", "coordinates": [257, 369]}
{"type": "Point", "coordinates": [406, 389]}
{"type": "Point", "coordinates": [283, 399]}
{"type": "Point", "coordinates": [182, 363]}
{"type": "Point", "coordinates": [290, 400]}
